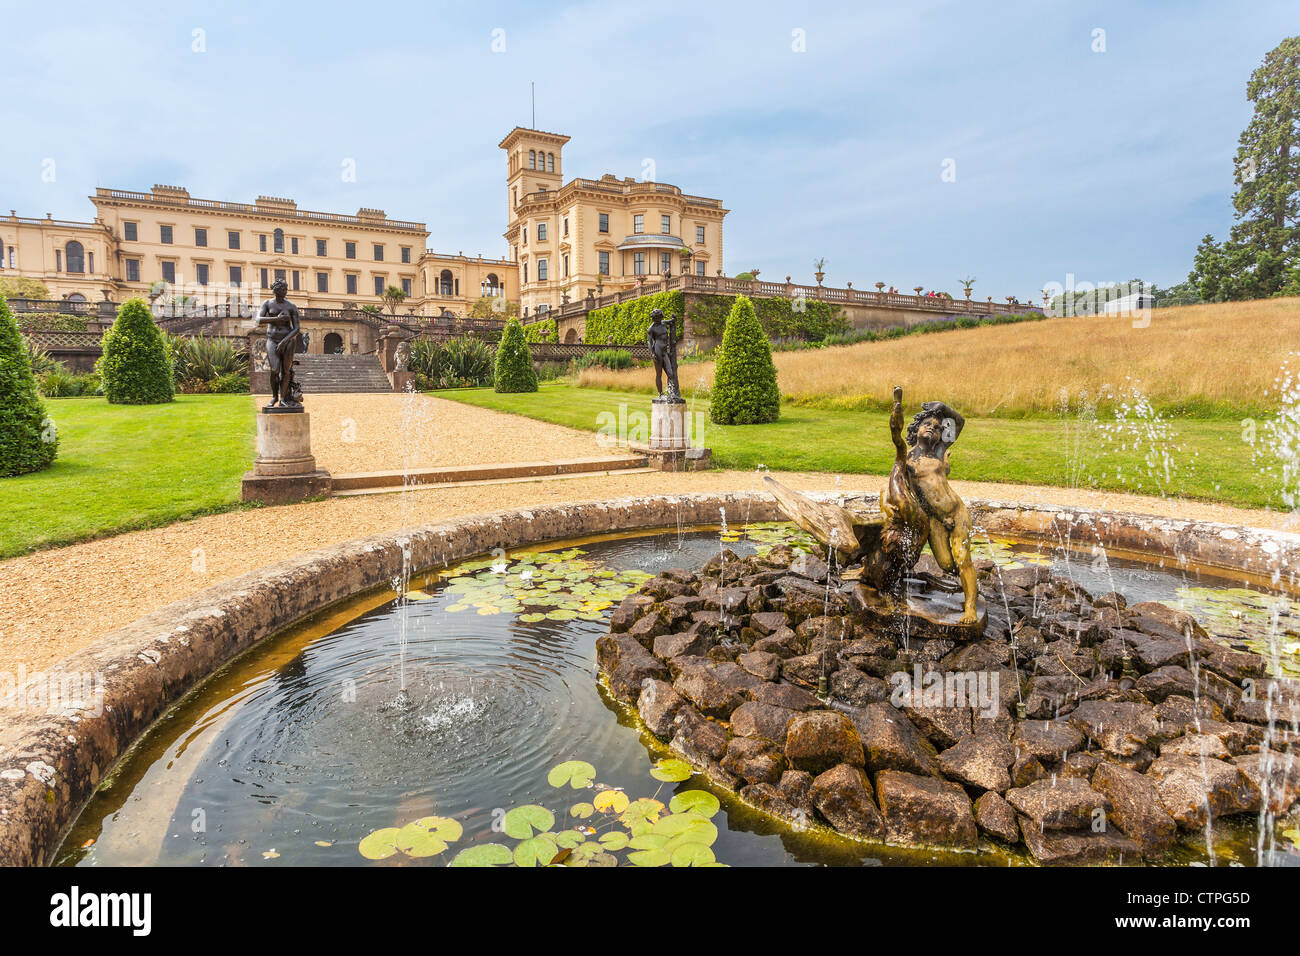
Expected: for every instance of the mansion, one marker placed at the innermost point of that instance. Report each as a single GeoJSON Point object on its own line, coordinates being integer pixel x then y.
{"type": "Point", "coordinates": [565, 240]}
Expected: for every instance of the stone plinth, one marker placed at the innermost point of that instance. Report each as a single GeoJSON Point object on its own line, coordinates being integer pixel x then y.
{"type": "Point", "coordinates": [670, 439]}
{"type": "Point", "coordinates": [285, 469]}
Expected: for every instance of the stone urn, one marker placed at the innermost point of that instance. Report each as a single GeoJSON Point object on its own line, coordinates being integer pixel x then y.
{"type": "Point", "coordinates": [880, 287]}
{"type": "Point", "coordinates": [917, 289]}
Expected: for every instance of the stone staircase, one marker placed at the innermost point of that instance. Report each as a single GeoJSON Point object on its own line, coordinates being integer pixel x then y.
{"type": "Point", "coordinates": [322, 374]}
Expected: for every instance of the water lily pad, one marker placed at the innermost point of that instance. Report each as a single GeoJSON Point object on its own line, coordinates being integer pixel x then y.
{"type": "Point", "coordinates": [380, 845]}
{"type": "Point", "coordinates": [428, 836]}
{"type": "Point", "coordinates": [671, 770]}
{"type": "Point", "coordinates": [581, 810]}
{"type": "Point", "coordinates": [521, 822]}
{"type": "Point", "coordinates": [649, 858]}
{"type": "Point", "coordinates": [641, 810]}
{"type": "Point", "coordinates": [686, 828]}
{"type": "Point", "coordinates": [536, 851]}
{"type": "Point", "coordinates": [578, 774]}
{"type": "Point", "coordinates": [699, 801]}
{"type": "Point", "coordinates": [614, 840]}
{"type": "Point", "coordinates": [692, 854]}
{"type": "Point", "coordinates": [611, 801]}
{"type": "Point", "coordinates": [485, 854]}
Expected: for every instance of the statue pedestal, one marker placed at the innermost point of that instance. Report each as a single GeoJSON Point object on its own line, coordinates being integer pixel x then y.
{"type": "Point", "coordinates": [670, 446]}
{"type": "Point", "coordinates": [285, 469]}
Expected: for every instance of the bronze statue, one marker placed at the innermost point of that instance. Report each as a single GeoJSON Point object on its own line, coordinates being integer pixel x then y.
{"type": "Point", "coordinates": [917, 507]}
{"type": "Point", "coordinates": [282, 338]}
{"type": "Point", "coordinates": [662, 339]}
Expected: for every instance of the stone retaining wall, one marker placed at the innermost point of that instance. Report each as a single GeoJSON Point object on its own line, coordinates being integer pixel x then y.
{"type": "Point", "coordinates": [50, 764]}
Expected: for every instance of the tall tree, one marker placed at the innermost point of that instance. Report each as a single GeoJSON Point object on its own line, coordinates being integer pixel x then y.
{"type": "Point", "coordinates": [1262, 251]}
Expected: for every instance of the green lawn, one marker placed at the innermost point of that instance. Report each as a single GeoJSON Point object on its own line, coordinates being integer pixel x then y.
{"type": "Point", "coordinates": [122, 467]}
{"type": "Point", "coordinates": [1209, 459]}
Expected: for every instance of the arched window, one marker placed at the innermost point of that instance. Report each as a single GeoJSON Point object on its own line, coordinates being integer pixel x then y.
{"type": "Point", "coordinates": [76, 297]}
{"type": "Point", "coordinates": [550, 162]}
{"type": "Point", "coordinates": [532, 159]}
{"type": "Point", "coordinates": [445, 282]}
{"type": "Point", "coordinates": [493, 284]}
{"type": "Point", "coordinates": [76, 256]}
{"type": "Point", "coordinates": [278, 240]}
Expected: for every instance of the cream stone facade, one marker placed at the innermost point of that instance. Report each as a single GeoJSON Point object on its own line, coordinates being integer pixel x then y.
{"type": "Point", "coordinates": [565, 239]}
{"type": "Point", "coordinates": [598, 234]}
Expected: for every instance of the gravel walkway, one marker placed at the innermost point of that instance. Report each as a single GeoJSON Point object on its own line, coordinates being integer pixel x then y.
{"type": "Point", "coordinates": [55, 602]}
{"type": "Point", "coordinates": [384, 432]}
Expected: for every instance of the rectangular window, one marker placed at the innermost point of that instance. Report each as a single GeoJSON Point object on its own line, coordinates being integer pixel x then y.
{"type": "Point", "coordinates": [265, 281]}
{"type": "Point", "coordinates": [293, 245]}
{"type": "Point", "coordinates": [90, 262]}
{"type": "Point", "coordinates": [566, 265]}
{"type": "Point", "coordinates": [322, 282]}
{"type": "Point", "coordinates": [169, 271]}
{"type": "Point", "coordinates": [638, 224]}
{"type": "Point", "coordinates": [320, 247]}
{"type": "Point", "coordinates": [665, 263]}
{"type": "Point", "coordinates": [295, 280]}
{"type": "Point", "coordinates": [638, 263]}
{"type": "Point", "coordinates": [541, 232]}
{"type": "Point", "coordinates": [130, 232]}
{"type": "Point", "coordinates": [406, 286]}
{"type": "Point", "coordinates": [201, 272]}
{"type": "Point", "coordinates": [261, 243]}
{"type": "Point", "coordinates": [379, 285]}
{"type": "Point", "coordinates": [604, 263]}
{"type": "Point", "coordinates": [406, 254]}
{"type": "Point", "coordinates": [566, 225]}
{"type": "Point", "coordinates": [526, 227]}
{"type": "Point", "coordinates": [541, 270]}
{"type": "Point", "coordinates": [699, 267]}
{"type": "Point", "coordinates": [58, 260]}
{"type": "Point", "coordinates": [666, 225]}
{"type": "Point", "coordinates": [350, 250]}
{"type": "Point", "coordinates": [352, 285]}
{"type": "Point", "coordinates": [280, 275]}
{"type": "Point", "coordinates": [232, 240]}
{"type": "Point", "coordinates": [379, 252]}
{"type": "Point", "coordinates": [200, 236]}
{"type": "Point", "coordinates": [699, 235]}
{"type": "Point", "coordinates": [132, 270]}
{"type": "Point", "coordinates": [165, 234]}
{"type": "Point", "coordinates": [236, 275]}
{"type": "Point", "coordinates": [604, 222]}
{"type": "Point", "coordinates": [525, 273]}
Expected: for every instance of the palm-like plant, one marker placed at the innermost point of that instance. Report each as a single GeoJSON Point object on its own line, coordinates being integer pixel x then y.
{"type": "Point", "coordinates": [393, 297]}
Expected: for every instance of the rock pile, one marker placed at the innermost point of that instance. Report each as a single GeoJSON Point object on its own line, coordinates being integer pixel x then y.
{"type": "Point", "coordinates": [1091, 730]}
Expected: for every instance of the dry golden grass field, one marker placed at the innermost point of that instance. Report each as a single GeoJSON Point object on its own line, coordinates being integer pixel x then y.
{"type": "Point", "coordinates": [1199, 360]}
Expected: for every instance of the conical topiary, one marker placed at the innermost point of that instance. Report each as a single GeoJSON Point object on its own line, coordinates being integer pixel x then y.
{"type": "Point", "coordinates": [744, 379]}
{"type": "Point", "coordinates": [27, 438]}
{"type": "Point", "coordinates": [135, 367]}
{"type": "Point", "coordinates": [514, 368]}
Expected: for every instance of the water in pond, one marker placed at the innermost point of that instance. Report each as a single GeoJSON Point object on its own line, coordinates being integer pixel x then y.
{"type": "Point", "coordinates": [303, 748]}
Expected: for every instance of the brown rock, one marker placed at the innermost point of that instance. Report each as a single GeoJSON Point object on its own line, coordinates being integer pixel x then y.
{"type": "Point", "coordinates": [854, 687]}
{"type": "Point", "coordinates": [753, 719]}
{"type": "Point", "coordinates": [658, 705]}
{"type": "Point", "coordinates": [761, 664]}
{"type": "Point", "coordinates": [1047, 739]}
{"type": "Point", "coordinates": [1137, 808]}
{"type": "Point", "coordinates": [980, 761]}
{"type": "Point", "coordinates": [843, 796]}
{"type": "Point", "coordinates": [686, 643]}
{"type": "Point", "coordinates": [925, 810]}
{"type": "Point", "coordinates": [768, 622]}
{"type": "Point", "coordinates": [997, 818]}
{"type": "Point", "coordinates": [696, 737]}
{"type": "Point", "coordinates": [1119, 727]}
{"type": "Point", "coordinates": [784, 695]}
{"type": "Point", "coordinates": [1275, 775]}
{"type": "Point", "coordinates": [1189, 787]}
{"type": "Point", "coordinates": [819, 740]}
{"type": "Point", "coordinates": [892, 742]}
{"type": "Point", "coordinates": [754, 759]}
{"type": "Point", "coordinates": [1064, 804]}
{"type": "Point", "coordinates": [626, 664]}
{"type": "Point", "coordinates": [1077, 847]}
{"type": "Point", "coordinates": [716, 688]}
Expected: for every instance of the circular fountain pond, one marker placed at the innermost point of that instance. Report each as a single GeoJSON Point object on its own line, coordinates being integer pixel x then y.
{"type": "Point", "coordinates": [463, 721]}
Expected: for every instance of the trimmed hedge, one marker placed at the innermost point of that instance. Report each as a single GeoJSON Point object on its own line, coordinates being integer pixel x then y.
{"type": "Point", "coordinates": [533, 331]}
{"type": "Point", "coordinates": [627, 322]}
{"type": "Point", "coordinates": [28, 441]}
{"type": "Point", "coordinates": [135, 366]}
{"type": "Point", "coordinates": [744, 379]}
{"type": "Point", "coordinates": [514, 367]}
{"type": "Point", "coordinates": [778, 317]}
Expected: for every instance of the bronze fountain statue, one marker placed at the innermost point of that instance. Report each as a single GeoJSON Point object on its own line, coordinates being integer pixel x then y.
{"type": "Point", "coordinates": [918, 507]}
{"type": "Point", "coordinates": [282, 338]}
{"type": "Point", "coordinates": [662, 339]}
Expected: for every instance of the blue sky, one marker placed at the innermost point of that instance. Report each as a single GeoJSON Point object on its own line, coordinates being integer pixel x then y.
{"type": "Point", "coordinates": [1104, 165]}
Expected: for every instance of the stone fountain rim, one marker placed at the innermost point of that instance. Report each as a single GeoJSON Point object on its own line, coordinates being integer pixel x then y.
{"type": "Point", "coordinates": [151, 664]}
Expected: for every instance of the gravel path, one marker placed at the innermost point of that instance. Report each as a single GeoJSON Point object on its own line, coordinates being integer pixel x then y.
{"type": "Point", "coordinates": [55, 602]}
{"type": "Point", "coordinates": [384, 432]}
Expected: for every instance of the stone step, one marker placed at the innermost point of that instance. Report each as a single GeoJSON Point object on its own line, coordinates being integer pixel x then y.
{"type": "Point", "coordinates": [341, 374]}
